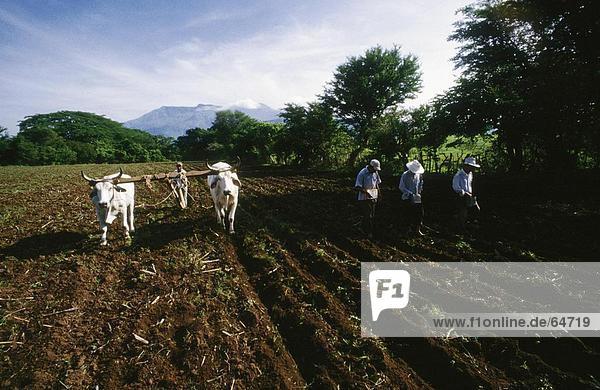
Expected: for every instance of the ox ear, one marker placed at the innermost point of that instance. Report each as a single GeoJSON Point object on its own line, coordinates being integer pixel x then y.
{"type": "Point", "coordinates": [120, 189]}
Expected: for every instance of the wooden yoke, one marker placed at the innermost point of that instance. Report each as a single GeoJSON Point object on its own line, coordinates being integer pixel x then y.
{"type": "Point", "coordinates": [160, 176]}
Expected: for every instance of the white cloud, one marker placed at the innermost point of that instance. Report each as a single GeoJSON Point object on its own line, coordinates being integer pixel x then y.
{"type": "Point", "coordinates": [246, 103]}
{"type": "Point", "coordinates": [208, 17]}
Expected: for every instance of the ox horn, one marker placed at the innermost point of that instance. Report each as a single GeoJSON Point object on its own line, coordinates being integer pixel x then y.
{"type": "Point", "coordinates": [89, 179]}
{"type": "Point", "coordinates": [237, 165]}
{"type": "Point", "coordinates": [211, 167]}
{"type": "Point", "coordinates": [120, 174]}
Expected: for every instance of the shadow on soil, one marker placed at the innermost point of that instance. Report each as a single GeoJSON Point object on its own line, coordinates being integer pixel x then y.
{"type": "Point", "coordinates": [159, 234]}
{"type": "Point", "coordinates": [45, 244]}
{"type": "Point", "coordinates": [538, 223]}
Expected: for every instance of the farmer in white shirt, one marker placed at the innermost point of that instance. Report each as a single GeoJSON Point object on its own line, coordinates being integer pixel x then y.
{"type": "Point", "coordinates": [179, 167]}
{"type": "Point", "coordinates": [180, 181]}
{"type": "Point", "coordinates": [462, 184]}
{"type": "Point", "coordinates": [367, 185]}
{"type": "Point", "coordinates": [411, 185]}
{"type": "Point", "coordinates": [179, 185]}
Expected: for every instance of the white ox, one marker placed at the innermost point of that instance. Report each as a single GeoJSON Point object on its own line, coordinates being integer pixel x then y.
{"type": "Point", "coordinates": [224, 188]}
{"type": "Point", "coordinates": [111, 200]}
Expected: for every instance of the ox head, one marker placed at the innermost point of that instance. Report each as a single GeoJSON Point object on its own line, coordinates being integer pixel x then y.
{"type": "Point", "coordinates": [225, 176]}
{"type": "Point", "coordinates": [104, 189]}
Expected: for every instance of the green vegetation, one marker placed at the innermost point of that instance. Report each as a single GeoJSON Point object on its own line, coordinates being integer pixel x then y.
{"type": "Point", "coordinates": [4, 141]}
{"type": "Point", "coordinates": [69, 137]}
{"type": "Point", "coordinates": [530, 71]}
{"type": "Point", "coordinates": [311, 136]}
{"type": "Point", "coordinates": [364, 88]}
{"type": "Point", "coordinates": [231, 134]}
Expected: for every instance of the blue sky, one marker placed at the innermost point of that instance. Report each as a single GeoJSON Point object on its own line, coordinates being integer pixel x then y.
{"type": "Point", "coordinates": [124, 58]}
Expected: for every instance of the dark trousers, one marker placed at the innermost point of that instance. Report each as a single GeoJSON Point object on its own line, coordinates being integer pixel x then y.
{"type": "Point", "coordinates": [464, 207]}
{"type": "Point", "coordinates": [368, 213]}
{"type": "Point", "coordinates": [414, 213]}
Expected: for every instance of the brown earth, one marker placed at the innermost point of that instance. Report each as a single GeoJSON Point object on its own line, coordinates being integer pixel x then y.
{"type": "Point", "coordinates": [280, 304]}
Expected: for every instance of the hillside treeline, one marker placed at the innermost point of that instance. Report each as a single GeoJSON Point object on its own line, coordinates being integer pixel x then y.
{"type": "Point", "coordinates": [527, 98]}
{"type": "Point", "coordinates": [71, 137]}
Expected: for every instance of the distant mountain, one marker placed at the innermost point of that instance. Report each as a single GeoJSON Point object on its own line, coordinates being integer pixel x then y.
{"type": "Point", "coordinates": [174, 121]}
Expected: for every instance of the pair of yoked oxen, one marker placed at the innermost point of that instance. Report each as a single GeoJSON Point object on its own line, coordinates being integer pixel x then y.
{"type": "Point", "coordinates": [112, 198]}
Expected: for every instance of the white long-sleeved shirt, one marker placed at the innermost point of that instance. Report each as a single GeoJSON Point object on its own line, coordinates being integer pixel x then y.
{"type": "Point", "coordinates": [368, 181]}
{"type": "Point", "coordinates": [410, 184]}
{"type": "Point", "coordinates": [462, 182]}
{"type": "Point", "coordinates": [180, 181]}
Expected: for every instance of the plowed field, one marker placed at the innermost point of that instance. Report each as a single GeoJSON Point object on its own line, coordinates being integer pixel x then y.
{"type": "Point", "coordinates": [277, 305]}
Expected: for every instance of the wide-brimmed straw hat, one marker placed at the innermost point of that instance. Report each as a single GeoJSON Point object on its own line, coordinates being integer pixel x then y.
{"type": "Point", "coordinates": [415, 166]}
{"type": "Point", "coordinates": [471, 162]}
{"type": "Point", "coordinates": [375, 164]}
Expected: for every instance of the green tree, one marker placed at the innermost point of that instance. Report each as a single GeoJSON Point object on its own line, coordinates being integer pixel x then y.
{"type": "Point", "coordinates": [231, 134]}
{"type": "Point", "coordinates": [365, 87]}
{"type": "Point", "coordinates": [529, 72]}
{"type": "Point", "coordinates": [194, 145]}
{"type": "Point", "coordinates": [67, 137]}
{"type": "Point", "coordinates": [565, 102]}
{"type": "Point", "coordinates": [257, 142]}
{"type": "Point", "coordinates": [311, 136]}
{"type": "Point", "coordinates": [495, 56]}
{"type": "Point", "coordinates": [105, 151]}
{"type": "Point", "coordinates": [26, 152]}
{"type": "Point", "coordinates": [42, 146]}
{"type": "Point", "coordinates": [6, 145]}
{"type": "Point", "coordinates": [397, 132]}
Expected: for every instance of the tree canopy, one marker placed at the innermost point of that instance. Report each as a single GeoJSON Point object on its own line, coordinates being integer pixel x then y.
{"type": "Point", "coordinates": [311, 136]}
{"type": "Point", "coordinates": [397, 132]}
{"type": "Point", "coordinates": [530, 71]}
{"type": "Point", "coordinates": [232, 133]}
{"type": "Point", "coordinates": [68, 137]}
{"type": "Point", "coordinates": [365, 87]}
